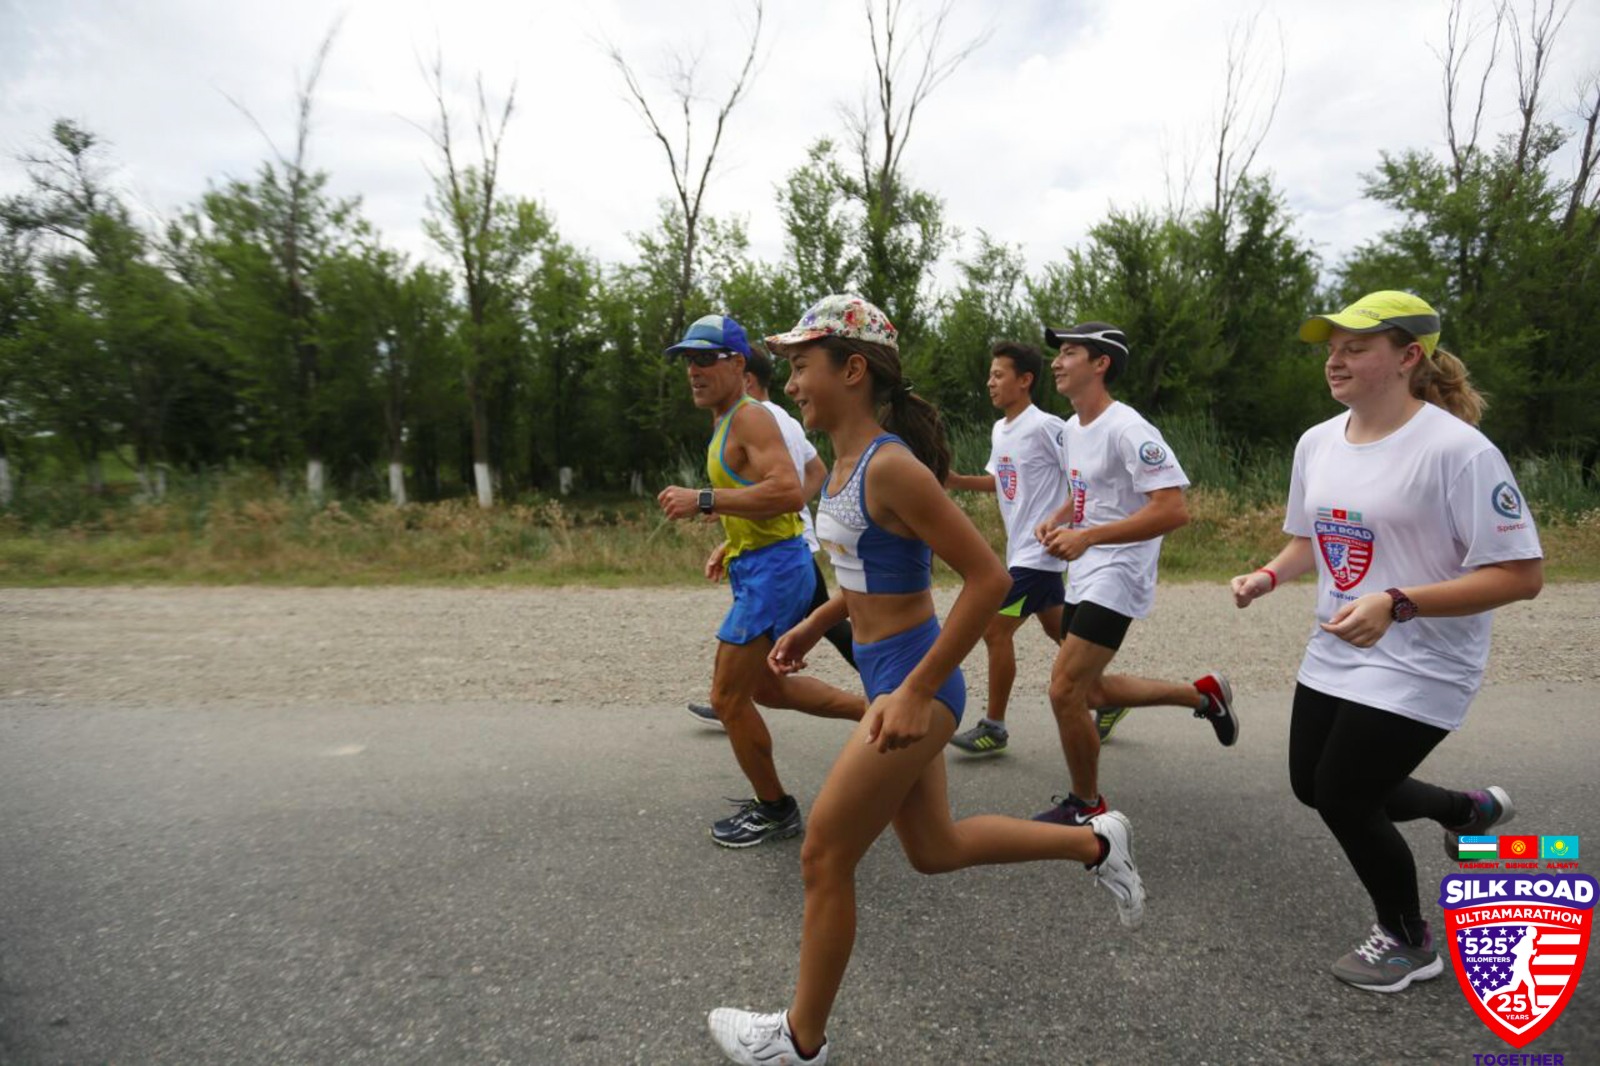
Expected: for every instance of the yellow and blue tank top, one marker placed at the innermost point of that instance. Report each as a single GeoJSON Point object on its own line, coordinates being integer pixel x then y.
{"type": "Point", "coordinates": [743, 534]}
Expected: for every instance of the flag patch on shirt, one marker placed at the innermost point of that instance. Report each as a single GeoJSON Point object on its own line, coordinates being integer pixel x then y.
{"type": "Point", "coordinates": [1006, 476]}
{"type": "Point", "coordinates": [1346, 546]}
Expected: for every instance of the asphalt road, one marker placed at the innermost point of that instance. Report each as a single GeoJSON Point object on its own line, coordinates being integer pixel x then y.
{"type": "Point", "coordinates": [497, 882]}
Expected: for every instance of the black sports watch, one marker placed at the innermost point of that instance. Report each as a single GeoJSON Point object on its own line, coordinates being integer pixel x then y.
{"type": "Point", "coordinates": [708, 500]}
{"type": "Point", "coordinates": [1404, 609]}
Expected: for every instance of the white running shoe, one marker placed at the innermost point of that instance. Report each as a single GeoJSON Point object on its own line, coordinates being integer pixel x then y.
{"type": "Point", "coordinates": [1117, 874]}
{"type": "Point", "coordinates": [758, 1039]}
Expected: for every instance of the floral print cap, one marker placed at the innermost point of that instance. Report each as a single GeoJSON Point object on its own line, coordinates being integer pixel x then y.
{"type": "Point", "coordinates": [839, 315]}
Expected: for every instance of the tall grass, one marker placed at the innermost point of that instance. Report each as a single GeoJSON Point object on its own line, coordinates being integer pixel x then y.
{"type": "Point", "coordinates": [252, 527]}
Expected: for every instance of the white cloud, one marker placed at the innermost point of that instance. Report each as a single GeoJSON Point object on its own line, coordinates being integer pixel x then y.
{"type": "Point", "coordinates": [1069, 108]}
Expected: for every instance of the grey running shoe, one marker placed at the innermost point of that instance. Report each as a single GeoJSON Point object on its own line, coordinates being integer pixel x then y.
{"type": "Point", "coordinates": [1117, 874]}
{"type": "Point", "coordinates": [1106, 719]}
{"type": "Point", "coordinates": [755, 822]}
{"type": "Point", "coordinates": [1490, 807]}
{"type": "Point", "coordinates": [702, 712]}
{"type": "Point", "coordinates": [982, 739]}
{"type": "Point", "coordinates": [1219, 708]}
{"type": "Point", "coordinates": [1383, 964]}
{"type": "Point", "coordinates": [1071, 811]}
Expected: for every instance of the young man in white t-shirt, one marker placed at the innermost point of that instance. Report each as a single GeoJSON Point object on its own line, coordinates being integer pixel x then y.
{"type": "Point", "coordinates": [1125, 494]}
{"type": "Point", "coordinates": [812, 472]}
{"type": "Point", "coordinates": [1027, 474]}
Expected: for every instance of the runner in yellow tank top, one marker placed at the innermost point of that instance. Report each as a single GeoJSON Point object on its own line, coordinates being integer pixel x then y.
{"type": "Point", "coordinates": [743, 534]}
{"type": "Point", "coordinates": [755, 493]}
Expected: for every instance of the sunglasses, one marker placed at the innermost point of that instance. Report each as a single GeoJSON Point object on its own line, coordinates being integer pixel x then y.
{"type": "Point", "coordinates": [705, 357]}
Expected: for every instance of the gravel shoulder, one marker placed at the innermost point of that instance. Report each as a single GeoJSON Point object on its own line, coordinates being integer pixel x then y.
{"type": "Point", "coordinates": [190, 646]}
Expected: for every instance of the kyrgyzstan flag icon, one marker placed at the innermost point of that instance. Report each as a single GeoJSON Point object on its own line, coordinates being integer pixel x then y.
{"type": "Point", "coordinates": [1516, 848]}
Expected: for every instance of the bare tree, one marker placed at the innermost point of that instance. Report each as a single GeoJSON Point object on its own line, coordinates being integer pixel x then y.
{"type": "Point", "coordinates": [1588, 156]}
{"type": "Point", "coordinates": [292, 239]}
{"type": "Point", "coordinates": [1459, 40]}
{"type": "Point", "coordinates": [1532, 60]}
{"type": "Point", "coordinates": [689, 177]}
{"type": "Point", "coordinates": [470, 204]}
{"type": "Point", "coordinates": [892, 113]}
{"type": "Point", "coordinates": [1246, 116]}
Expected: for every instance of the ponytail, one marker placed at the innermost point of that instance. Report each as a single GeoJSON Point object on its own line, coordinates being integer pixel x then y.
{"type": "Point", "coordinates": [1442, 380]}
{"type": "Point", "coordinates": [897, 409]}
{"type": "Point", "coordinates": [918, 423]}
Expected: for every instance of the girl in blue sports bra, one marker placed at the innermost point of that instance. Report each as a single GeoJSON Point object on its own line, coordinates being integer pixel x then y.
{"type": "Point", "coordinates": [883, 515]}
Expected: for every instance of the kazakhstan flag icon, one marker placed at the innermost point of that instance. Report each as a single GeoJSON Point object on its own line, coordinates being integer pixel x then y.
{"type": "Point", "coordinates": [1558, 848]}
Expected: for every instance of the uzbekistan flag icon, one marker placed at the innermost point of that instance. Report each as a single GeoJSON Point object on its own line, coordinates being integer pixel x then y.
{"type": "Point", "coordinates": [1476, 849]}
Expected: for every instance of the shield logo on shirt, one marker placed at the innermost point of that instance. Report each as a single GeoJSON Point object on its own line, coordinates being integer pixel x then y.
{"type": "Point", "coordinates": [1507, 500]}
{"type": "Point", "coordinates": [1518, 944]}
{"type": "Point", "coordinates": [1346, 547]}
{"type": "Point", "coordinates": [1005, 475]}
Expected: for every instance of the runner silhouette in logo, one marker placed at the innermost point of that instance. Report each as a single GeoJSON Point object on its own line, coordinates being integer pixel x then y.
{"type": "Point", "coordinates": [1521, 973]}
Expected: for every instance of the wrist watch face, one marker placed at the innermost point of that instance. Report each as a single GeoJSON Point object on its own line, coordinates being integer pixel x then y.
{"type": "Point", "coordinates": [1404, 610]}
{"type": "Point", "coordinates": [707, 499]}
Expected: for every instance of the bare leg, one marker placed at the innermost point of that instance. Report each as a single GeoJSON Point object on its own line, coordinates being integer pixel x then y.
{"type": "Point", "coordinates": [808, 696]}
{"type": "Point", "coordinates": [1050, 622]}
{"type": "Point", "coordinates": [998, 639]}
{"type": "Point", "coordinates": [1123, 690]}
{"type": "Point", "coordinates": [864, 793]}
{"type": "Point", "coordinates": [935, 844]}
{"type": "Point", "coordinates": [1074, 682]}
{"type": "Point", "coordinates": [739, 670]}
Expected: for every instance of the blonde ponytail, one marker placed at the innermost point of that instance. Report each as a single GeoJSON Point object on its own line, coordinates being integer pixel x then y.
{"type": "Point", "coordinates": [1442, 380]}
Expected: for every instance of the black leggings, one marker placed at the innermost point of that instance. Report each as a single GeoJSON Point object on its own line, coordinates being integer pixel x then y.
{"type": "Point", "coordinates": [840, 636]}
{"type": "Point", "coordinates": [1353, 764]}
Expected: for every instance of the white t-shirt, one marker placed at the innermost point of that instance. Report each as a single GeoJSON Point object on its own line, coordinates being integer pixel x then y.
{"type": "Point", "coordinates": [1431, 501]}
{"type": "Point", "coordinates": [1030, 481]}
{"type": "Point", "coordinates": [1113, 463]}
{"type": "Point", "coordinates": [802, 451]}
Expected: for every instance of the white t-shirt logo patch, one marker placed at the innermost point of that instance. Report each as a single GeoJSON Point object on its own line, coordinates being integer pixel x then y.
{"type": "Point", "coordinates": [1080, 493]}
{"type": "Point", "coordinates": [1346, 546]}
{"type": "Point", "coordinates": [1507, 500]}
{"type": "Point", "coordinates": [1152, 454]}
{"type": "Point", "coordinates": [1005, 474]}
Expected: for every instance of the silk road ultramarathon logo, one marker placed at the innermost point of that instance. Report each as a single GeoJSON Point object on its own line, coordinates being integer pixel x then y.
{"type": "Point", "coordinates": [1518, 942]}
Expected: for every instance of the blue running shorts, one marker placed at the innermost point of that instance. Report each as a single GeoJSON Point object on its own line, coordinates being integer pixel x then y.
{"type": "Point", "coordinates": [885, 663]}
{"type": "Point", "coordinates": [772, 590]}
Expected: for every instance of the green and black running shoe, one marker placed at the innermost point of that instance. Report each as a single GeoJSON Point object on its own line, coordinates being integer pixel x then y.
{"type": "Point", "coordinates": [985, 738]}
{"type": "Point", "coordinates": [1106, 719]}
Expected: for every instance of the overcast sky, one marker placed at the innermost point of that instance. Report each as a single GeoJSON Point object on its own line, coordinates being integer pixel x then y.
{"type": "Point", "coordinates": [1069, 108]}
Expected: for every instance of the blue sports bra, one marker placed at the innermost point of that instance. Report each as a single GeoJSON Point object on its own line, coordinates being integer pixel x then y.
{"type": "Point", "coordinates": [866, 557]}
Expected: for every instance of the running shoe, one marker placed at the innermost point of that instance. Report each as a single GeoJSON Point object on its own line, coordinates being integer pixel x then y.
{"type": "Point", "coordinates": [1106, 719]}
{"type": "Point", "coordinates": [1071, 811]}
{"type": "Point", "coordinates": [758, 1039]}
{"type": "Point", "coordinates": [702, 712]}
{"type": "Point", "coordinates": [1490, 807]}
{"type": "Point", "coordinates": [982, 739]}
{"type": "Point", "coordinates": [755, 822]}
{"type": "Point", "coordinates": [1116, 872]}
{"type": "Point", "coordinates": [1383, 964]}
{"type": "Point", "coordinates": [1219, 708]}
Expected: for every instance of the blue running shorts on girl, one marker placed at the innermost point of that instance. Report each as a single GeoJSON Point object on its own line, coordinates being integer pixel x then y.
{"type": "Point", "coordinates": [885, 663]}
{"type": "Point", "coordinates": [772, 590]}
